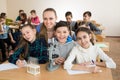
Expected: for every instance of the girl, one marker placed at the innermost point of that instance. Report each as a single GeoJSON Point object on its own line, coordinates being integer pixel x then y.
{"type": "Point", "coordinates": [23, 20]}
{"type": "Point", "coordinates": [85, 53]}
{"type": "Point", "coordinates": [30, 46]}
{"type": "Point", "coordinates": [34, 19]}
{"type": "Point", "coordinates": [49, 21]}
{"type": "Point", "coordinates": [63, 44]}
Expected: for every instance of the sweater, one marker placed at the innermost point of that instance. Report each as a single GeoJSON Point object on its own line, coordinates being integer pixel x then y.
{"type": "Point", "coordinates": [37, 49]}
{"type": "Point", "coordinates": [63, 50]}
{"type": "Point", "coordinates": [82, 55]}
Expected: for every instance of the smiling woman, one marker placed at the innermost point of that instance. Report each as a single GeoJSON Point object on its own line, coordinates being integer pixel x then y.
{"type": "Point", "coordinates": [49, 21]}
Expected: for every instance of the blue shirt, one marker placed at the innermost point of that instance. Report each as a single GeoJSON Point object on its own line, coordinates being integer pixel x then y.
{"type": "Point", "coordinates": [5, 35]}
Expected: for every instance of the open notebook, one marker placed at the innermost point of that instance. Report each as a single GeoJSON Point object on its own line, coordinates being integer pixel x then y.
{"type": "Point", "coordinates": [7, 66]}
{"type": "Point", "coordinates": [72, 72]}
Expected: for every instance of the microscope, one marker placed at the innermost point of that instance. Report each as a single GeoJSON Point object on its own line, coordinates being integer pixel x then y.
{"type": "Point", "coordinates": [52, 66]}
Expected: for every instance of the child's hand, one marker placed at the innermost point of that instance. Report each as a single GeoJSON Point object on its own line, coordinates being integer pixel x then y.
{"type": "Point", "coordinates": [85, 63]}
{"type": "Point", "coordinates": [13, 41]}
{"type": "Point", "coordinates": [11, 52]}
{"type": "Point", "coordinates": [59, 60]}
{"type": "Point", "coordinates": [20, 63]}
{"type": "Point", "coordinates": [94, 69]}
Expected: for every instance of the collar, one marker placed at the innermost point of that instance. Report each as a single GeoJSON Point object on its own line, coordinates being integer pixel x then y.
{"type": "Point", "coordinates": [83, 49]}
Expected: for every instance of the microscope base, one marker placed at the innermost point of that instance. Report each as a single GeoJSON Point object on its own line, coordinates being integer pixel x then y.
{"type": "Point", "coordinates": [52, 67]}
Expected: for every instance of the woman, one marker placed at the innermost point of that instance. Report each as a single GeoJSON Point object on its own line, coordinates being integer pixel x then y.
{"type": "Point", "coordinates": [49, 21]}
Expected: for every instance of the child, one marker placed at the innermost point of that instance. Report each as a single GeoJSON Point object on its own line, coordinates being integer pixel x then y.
{"type": "Point", "coordinates": [8, 21]}
{"type": "Point", "coordinates": [5, 37]}
{"type": "Point", "coordinates": [86, 19]}
{"type": "Point", "coordinates": [34, 19]}
{"type": "Point", "coordinates": [18, 17]}
{"type": "Point", "coordinates": [23, 20]}
{"type": "Point", "coordinates": [63, 44]}
{"type": "Point", "coordinates": [30, 46]}
{"type": "Point", "coordinates": [69, 16]}
{"type": "Point", "coordinates": [85, 53]}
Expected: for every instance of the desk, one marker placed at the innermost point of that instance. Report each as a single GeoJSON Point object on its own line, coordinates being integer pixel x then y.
{"type": "Point", "coordinates": [60, 74]}
{"type": "Point", "coordinates": [105, 49]}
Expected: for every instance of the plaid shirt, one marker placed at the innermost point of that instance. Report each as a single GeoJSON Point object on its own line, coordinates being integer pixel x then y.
{"type": "Point", "coordinates": [37, 49]}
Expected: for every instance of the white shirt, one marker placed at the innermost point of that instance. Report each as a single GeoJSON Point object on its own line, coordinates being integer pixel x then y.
{"type": "Point", "coordinates": [82, 55]}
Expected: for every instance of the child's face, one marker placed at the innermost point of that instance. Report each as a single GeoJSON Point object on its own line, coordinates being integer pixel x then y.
{"type": "Point", "coordinates": [83, 39]}
{"type": "Point", "coordinates": [2, 21]}
{"type": "Point", "coordinates": [49, 19]}
{"type": "Point", "coordinates": [69, 18]}
{"type": "Point", "coordinates": [33, 15]}
{"type": "Point", "coordinates": [62, 34]}
{"type": "Point", "coordinates": [28, 34]}
{"type": "Point", "coordinates": [86, 17]}
{"type": "Point", "coordinates": [22, 17]}
{"type": "Point", "coordinates": [21, 12]}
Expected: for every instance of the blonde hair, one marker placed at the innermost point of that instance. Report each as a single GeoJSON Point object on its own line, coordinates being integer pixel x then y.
{"type": "Point", "coordinates": [43, 29]}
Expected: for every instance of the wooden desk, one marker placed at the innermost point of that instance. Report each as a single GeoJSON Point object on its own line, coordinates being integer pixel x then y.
{"type": "Point", "coordinates": [60, 74]}
{"type": "Point", "coordinates": [105, 49]}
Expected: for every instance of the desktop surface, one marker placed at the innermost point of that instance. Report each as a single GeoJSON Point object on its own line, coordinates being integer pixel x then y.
{"type": "Point", "coordinates": [60, 74]}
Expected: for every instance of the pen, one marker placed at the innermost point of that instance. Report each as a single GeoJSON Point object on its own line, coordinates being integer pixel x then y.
{"type": "Point", "coordinates": [93, 62]}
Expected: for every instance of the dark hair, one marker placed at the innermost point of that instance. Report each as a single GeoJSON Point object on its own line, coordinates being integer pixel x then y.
{"type": "Point", "coordinates": [61, 24]}
{"type": "Point", "coordinates": [3, 14]}
{"type": "Point", "coordinates": [84, 29]}
{"type": "Point", "coordinates": [88, 13]}
{"type": "Point", "coordinates": [2, 17]}
{"type": "Point", "coordinates": [21, 11]}
{"type": "Point", "coordinates": [68, 14]}
{"type": "Point", "coordinates": [24, 16]}
{"type": "Point", "coordinates": [32, 11]}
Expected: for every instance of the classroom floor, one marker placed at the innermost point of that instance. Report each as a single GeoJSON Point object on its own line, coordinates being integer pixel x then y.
{"type": "Point", "coordinates": [115, 54]}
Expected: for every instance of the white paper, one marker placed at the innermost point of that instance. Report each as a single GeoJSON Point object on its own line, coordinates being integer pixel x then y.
{"type": "Point", "coordinates": [7, 66]}
{"type": "Point", "coordinates": [71, 72]}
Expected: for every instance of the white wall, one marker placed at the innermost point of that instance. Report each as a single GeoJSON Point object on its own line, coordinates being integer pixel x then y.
{"type": "Point", "coordinates": [3, 6]}
{"type": "Point", "coordinates": [105, 12]}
